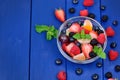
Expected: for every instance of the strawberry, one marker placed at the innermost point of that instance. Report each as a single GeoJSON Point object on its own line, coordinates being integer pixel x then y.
{"type": "Point", "coordinates": [113, 55]}
{"type": "Point", "coordinates": [60, 14]}
{"type": "Point", "coordinates": [64, 46]}
{"type": "Point", "coordinates": [75, 50]}
{"type": "Point", "coordinates": [75, 27]}
{"type": "Point", "coordinates": [93, 34]}
{"type": "Point", "coordinates": [112, 79]}
{"type": "Point", "coordinates": [61, 75]}
{"type": "Point", "coordinates": [110, 31]}
{"type": "Point", "coordinates": [68, 48]}
{"type": "Point", "coordinates": [84, 12]}
{"type": "Point", "coordinates": [101, 38]}
{"type": "Point", "coordinates": [86, 49]}
{"type": "Point", "coordinates": [88, 3]}
{"type": "Point", "coordinates": [80, 57]}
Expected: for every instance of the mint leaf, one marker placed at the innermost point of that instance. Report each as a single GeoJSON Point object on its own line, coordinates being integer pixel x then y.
{"type": "Point", "coordinates": [76, 36]}
{"type": "Point", "coordinates": [88, 36]}
{"type": "Point", "coordinates": [102, 55]}
{"type": "Point", "coordinates": [51, 28]}
{"type": "Point", "coordinates": [95, 49]}
{"type": "Point", "coordinates": [48, 36]}
{"type": "Point", "coordinates": [55, 33]}
{"type": "Point", "coordinates": [41, 28]}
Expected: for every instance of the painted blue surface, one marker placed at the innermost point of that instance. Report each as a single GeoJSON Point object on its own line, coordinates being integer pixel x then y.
{"type": "Point", "coordinates": [27, 55]}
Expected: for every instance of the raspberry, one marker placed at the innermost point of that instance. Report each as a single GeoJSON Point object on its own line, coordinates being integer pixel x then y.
{"type": "Point", "coordinates": [84, 12]}
{"type": "Point", "coordinates": [110, 31]}
{"type": "Point", "coordinates": [113, 55]}
{"type": "Point", "coordinates": [61, 75]}
{"type": "Point", "coordinates": [88, 3]}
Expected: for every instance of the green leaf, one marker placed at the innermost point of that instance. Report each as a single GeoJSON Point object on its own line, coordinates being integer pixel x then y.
{"type": "Point", "coordinates": [77, 36]}
{"type": "Point", "coordinates": [41, 28]}
{"type": "Point", "coordinates": [52, 28]}
{"type": "Point", "coordinates": [95, 49]}
{"type": "Point", "coordinates": [48, 36]}
{"type": "Point", "coordinates": [88, 36]}
{"type": "Point", "coordinates": [55, 33]}
{"type": "Point", "coordinates": [102, 55]}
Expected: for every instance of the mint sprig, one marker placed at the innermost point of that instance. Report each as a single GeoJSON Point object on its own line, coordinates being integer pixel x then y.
{"type": "Point", "coordinates": [81, 35]}
{"type": "Point", "coordinates": [51, 32]}
{"type": "Point", "coordinates": [99, 51]}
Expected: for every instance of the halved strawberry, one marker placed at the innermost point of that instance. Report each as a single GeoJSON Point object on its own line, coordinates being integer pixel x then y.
{"type": "Point", "coordinates": [64, 46]}
{"type": "Point", "coordinates": [75, 27]}
{"type": "Point", "coordinates": [80, 57]}
{"type": "Point", "coordinates": [75, 50]}
{"type": "Point", "coordinates": [86, 49]}
{"type": "Point", "coordinates": [93, 34]}
{"type": "Point", "coordinates": [68, 48]}
{"type": "Point", "coordinates": [101, 38]}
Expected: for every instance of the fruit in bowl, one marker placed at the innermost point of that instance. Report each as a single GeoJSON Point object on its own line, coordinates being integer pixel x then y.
{"type": "Point", "coordinates": [82, 40]}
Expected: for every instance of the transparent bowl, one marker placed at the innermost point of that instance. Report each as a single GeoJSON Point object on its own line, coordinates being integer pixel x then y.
{"type": "Point", "coordinates": [75, 19]}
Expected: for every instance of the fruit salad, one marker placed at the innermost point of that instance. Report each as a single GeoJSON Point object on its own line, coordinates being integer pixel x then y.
{"type": "Point", "coordinates": [82, 40]}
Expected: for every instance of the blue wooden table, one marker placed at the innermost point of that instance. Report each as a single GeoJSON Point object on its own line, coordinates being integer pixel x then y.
{"type": "Point", "coordinates": [26, 55]}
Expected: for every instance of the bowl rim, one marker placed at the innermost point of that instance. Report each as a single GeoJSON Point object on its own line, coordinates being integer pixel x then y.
{"type": "Point", "coordinates": [65, 54]}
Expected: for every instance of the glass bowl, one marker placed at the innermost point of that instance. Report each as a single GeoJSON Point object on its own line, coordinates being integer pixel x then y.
{"type": "Point", "coordinates": [75, 19]}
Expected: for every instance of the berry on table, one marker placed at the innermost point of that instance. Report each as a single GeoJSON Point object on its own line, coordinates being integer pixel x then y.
{"type": "Point", "coordinates": [91, 15]}
{"type": "Point", "coordinates": [92, 54]}
{"type": "Point", "coordinates": [102, 7]}
{"type": "Point", "coordinates": [109, 31]}
{"type": "Point", "coordinates": [113, 44]}
{"type": "Point", "coordinates": [115, 22]}
{"type": "Point", "coordinates": [95, 76]}
{"type": "Point", "coordinates": [84, 12]}
{"type": "Point", "coordinates": [78, 71]}
{"type": "Point", "coordinates": [104, 18]}
{"type": "Point", "coordinates": [75, 1]}
{"type": "Point", "coordinates": [99, 64]}
{"type": "Point", "coordinates": [72, 10]}
{"type": "Point", "coordinates": [61, 75]}
{"type": "Point", "coordinates": [117, 68]}
{"type": "Point", "coordinates": [108, 75]}
{"type": "Point", "coordinates": [58, 61]}
{"type": "Point", "coordinates": [88, 3]}
{"type": "Point", "coordinates": [113, 55]}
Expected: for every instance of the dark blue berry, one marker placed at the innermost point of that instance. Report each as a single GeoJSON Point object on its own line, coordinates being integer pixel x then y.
{"type": "Point", "coordinates": [63, 31]}
{"type": "Point", "coordinates": [92, 54]}
{"type": "Point", "coordinates": [72, 10]}
{"type": "Point", "coordinates": [69, 24]}
{"type": "Point", "coordinates": [96, 28]}
{"type": "Point", "coordinates": [80, 23]}
{"type": "Point", "coordinates": [95, 76]}
{"type": "Point", "coordinates": [99, 64]}
{"type": "Point", "coordinates": [115, 22]}
{"type": "Point", "coordinates": [78, 71]}
{"type": "Point", "coordinates": [117, 68]}
{"type": "Point", "coordinates": [58, 61]}
{"type": "Point", "coordinates": [78, 44]}
{"type": "Point", "coordinates": [75, 1]}
{"type": "Point", "coordinates": [93, 42]}
{"type": "Point", "coordinates": [71, 34]}
{"type": "Point", "coordinates": [91, 15]}
{"type": "Point", "coordinates": [108, 75]}
{"type": "Point", "coordinates": [104, 18]}
{"type": "Point", "coordinates": [71, 39]}
{"type": "Point", "coordinates": [103, 7]}
{"type": "Point", "coordinates": [63, 38]}
{"type": "Point", "coordinates": [113, 44]}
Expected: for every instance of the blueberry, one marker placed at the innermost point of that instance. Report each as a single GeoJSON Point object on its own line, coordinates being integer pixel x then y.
{"type": "Point", "coordinates": [95, 76]}
{"type": "Point", "coordinates": [92, 54]}
{"type": "Point", "coordinates": [69, 24]}
{"type": "Point", "coordinates": [108, 75]}
{"type": "Point", "coordinates": [93, 42]}
{"type": "Point", "coordinates": [117, 68]}
{"type": "Point", "coordinates": [100, 31]}
{"type": "Point", "coordinates": [71, 34]}
{"type": "Point", "coordinates": [102, 7]}
{"type": "Point", "coordinates": [96, 28]}
{"type": "Point", "coordinates": [115, 22]}
{"type": "Point", "coordinates": [78, 71]}
{"type": "Point", "coordinates": [63, 38]}
{"type": "Point", "coordinates": [72, 10]}
{"type": "Point", "coordinates": [80, 23]}
{"type": "Point", "coordinates": [99, 64]}
{"type": "Point", "coordinates": [58, 61]}
{"type": "Point", "coordinates": [78, 44]}
{"type": "Point", "coordinates": [63, 31]}
{"type": "Point", "coordinates": [71, 39]}
{"type": "Point", "coordinates": [113, 44]}
{"type": "Point", "coordinates": [75, 1]}
{"type": "Point", "coordinates": [91, 15]}
{"type": "Point", "coordinates": [104, 18]}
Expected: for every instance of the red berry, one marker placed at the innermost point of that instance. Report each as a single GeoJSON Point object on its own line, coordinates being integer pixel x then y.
{"type": "Point", "coordinates": [75, 50]}
{"type": "Point", "coordinates": [68, 49]}
{"type": "Point", "coordinates": [64, 46]}
{"type": "Point", "coordinates": [110, 31]}
{"type": "Point", "coordinates": [84, 12]}
{"type": "Point", "coordinates": [75, 27]}
{"type": "Point", "coordinates": [60, 14]}
{"type": "Point", "coordinates": [93, 34]}
{"type": "Point", "coordinates": [113, 55]}
{"type": "Point", "coordinates": [101, 38]}
{"type": "Point", "coordinates": [61, 75]}
{"type": "Point", "coordinates": [88, 3]}
{"type": "Point", "coordinates": [86, 49]}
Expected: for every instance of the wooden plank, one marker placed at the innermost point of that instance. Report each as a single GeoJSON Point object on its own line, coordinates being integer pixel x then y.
{"type": "Point", "coordinates": [14, 39]}
{"type": "Point", "coordinates": [88, 69]}
{"type": "Point", "coordinates": [113, 14]}
{"type": "Point", "coordinates": [43, 52]}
